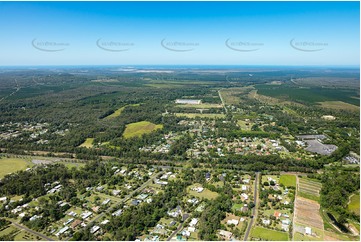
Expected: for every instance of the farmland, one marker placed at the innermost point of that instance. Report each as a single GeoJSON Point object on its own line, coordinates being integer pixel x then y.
{"type": "Point", "coordinates": [309, 189]}
{"type": "Point", "coordinates": [310, 95]}
{"type": "Point", "coordinates": [267, 234]}
{"type": "Point", "coordinates": [307, 213]}
{"type": "Point", "coordinates": [10, 165]}
{"type": "Point", "coordinates": [140, 128]}
{"type": "Point", "coordinates": [288, 180]}
{"type": "Point", "coordinates": [201, 115]}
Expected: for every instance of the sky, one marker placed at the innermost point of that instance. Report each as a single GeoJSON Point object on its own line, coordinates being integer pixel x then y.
{"type": "Point", "coordinates": [180, 33]}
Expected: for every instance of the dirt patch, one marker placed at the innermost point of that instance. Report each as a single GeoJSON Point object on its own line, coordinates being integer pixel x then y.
{"type": "Point", "coordinates": [307, 213]}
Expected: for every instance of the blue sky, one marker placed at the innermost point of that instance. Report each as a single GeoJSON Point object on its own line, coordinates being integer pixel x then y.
{"type": "Point", "coordinates": [151, 33]}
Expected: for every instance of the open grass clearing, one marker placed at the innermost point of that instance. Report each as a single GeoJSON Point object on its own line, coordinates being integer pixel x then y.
{"type": "Point", "coordinates": [140, 128]}
{"type": "Point", "coordinates": [288, 180]}
{"type": "Point", "coordinates": [268, 234]}
{"type": "Point", "coordinates": [206, 194]}
{"type": "Point", "coordinates": [244, 125]}
{"type": "Point", "coordinates": [10, 165]}
{"type": "Point", "coordinates": [339, 105]}
{"type": "Point", "coordinates": [119, 111]}
{"type": "Point", "coordinates": [201, 115]}
{"type": "Point", "coordinates": [202, 105]}
{"type": "Point", "coordinates": [300, 235]}
{"type": "Point", "coordinates": [88, 143]}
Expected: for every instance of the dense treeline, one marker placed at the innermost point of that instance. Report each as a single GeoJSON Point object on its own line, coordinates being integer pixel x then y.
{"type": "Point", "coordinates": [337, 186]}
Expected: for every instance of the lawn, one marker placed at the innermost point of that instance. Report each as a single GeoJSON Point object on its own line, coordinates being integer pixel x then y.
{"type": "Point", "coordinates": [204, 194]}
{"type": "Point", "coordinates": [268, 234]}
{"type": "Point", "coordinates": [237, 206]}
{"type": "Point", "coordinates": [288, 180]}
{"type": "Point", "coordinates": [88, 143]}
{"type": "Point", "coordinates": [10, 165]}
{"type": "Point", "coordinates": [201, 115]}
{"type": "Point", "coordinates": [354, 204]}
{"type": "Point", "coordinates": [140, 128]}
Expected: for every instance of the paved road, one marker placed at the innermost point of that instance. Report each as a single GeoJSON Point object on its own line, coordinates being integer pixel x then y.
{"type": "Point", "coordinates": [125, 198]}
{"type": "Point", "coordinates": [98, 217]}
{"type": "Point", "coordinates": [179, 228]}
{"type": "Point", "coordinates": [254, 210]}
{"type": "Point", "coordinates": [32, 231]}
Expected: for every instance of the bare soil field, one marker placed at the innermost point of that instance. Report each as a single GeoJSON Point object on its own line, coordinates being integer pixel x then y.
{"type": "Point", "coordinates": [307, 213]}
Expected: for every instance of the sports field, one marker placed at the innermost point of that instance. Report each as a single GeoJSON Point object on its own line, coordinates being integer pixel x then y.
{"type": "Point", "coordinates": [268, 234]}
{"type": "Point", "coordinates": [288, 180]}
{"type": "Point", "coordinates": [10, 165]}
{"type": "Point", "coordinates": [140, 128]}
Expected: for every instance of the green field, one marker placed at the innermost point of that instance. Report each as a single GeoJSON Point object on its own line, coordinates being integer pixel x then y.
{"type": "Point", "coordinates": [119, 111]}
{"type": "Point", "coordinates": [268, 234]}
{"type": "Point", "coordinates": [309, 189]}
{"type": "Point", "coordinates": [354, 204]}
{"type": "Point", "coordinates": [88, 143]}
{"type": "Point", "coordinates": [204, 194]}
{"type": "Point", "coordinates": [309, 95]}
{"type": "Point", "coordinates": [10, 165]}
{"type": "Point", "coordinates": [201, 115]}
{"type": "Point", "coordinates": [202, 105]}
{"type": "Point", "coordinates": [339, 105]}
{"type": "Point", "coordinates": [140, 128]}
{"type": "Point", "coordinates": [288, 180]}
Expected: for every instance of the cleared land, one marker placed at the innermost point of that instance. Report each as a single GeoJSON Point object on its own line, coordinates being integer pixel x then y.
{"type": "Point", "coordinates": [232, 96]}
{"type": "Point", "coordinates": [339, 105]}
{"type": "Point", "coordinates": [268, 234]}
{"type": "Point", "coordinates": [288, 180]}
{"type": "Point", "coordinates": [307, 213]}
{"type": "Point", "coordinates": [245, 125]}
{"type": "Point", "coordinates": [204, 194]}
{"type": "Point", "coordinates": [309, 189]}
{"type": "Point", "coordinates": [140, 128]}
{"type": "Point", "coordinates": [201, 115]}
{"type": "Point", "coordinates": [354, 204]}
{"type": "Point", "coordinates": [119, 111]}
{"type": "Point", "coordinates": [10, 165]}
{"type": "Point", "coordinates": [202, 105]}
{"type": "Point", "coordinates": [88, 143]}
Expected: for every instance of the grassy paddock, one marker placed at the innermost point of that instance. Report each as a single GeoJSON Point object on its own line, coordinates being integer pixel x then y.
{"type": "Point", "coordinates": [10, 165]}
{"type": "Point", "coordinates": [140, 128]}
{"type": "Point", "coordinates": [201, 115]}
{"type": "Point", "coordinates": [288, 180]}
{"type": "Point", "coordinates": [339, 105]}
{"type": "Point", "coordinates": [88, 143]}
{"type": "Point", "coordinates": [268, 234]}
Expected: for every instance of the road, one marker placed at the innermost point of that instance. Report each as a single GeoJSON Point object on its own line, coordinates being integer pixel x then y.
{"type": "Point", "coordinates": [254, 210]}
{"type": "Point", "coordinates": [32, 231]}
{"type": "Point", "coordinates": [125, 198]}
{"type": "Point", "coordinates": [179, 228]}
{"type": "Point", "coordinates": [224, 105]}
